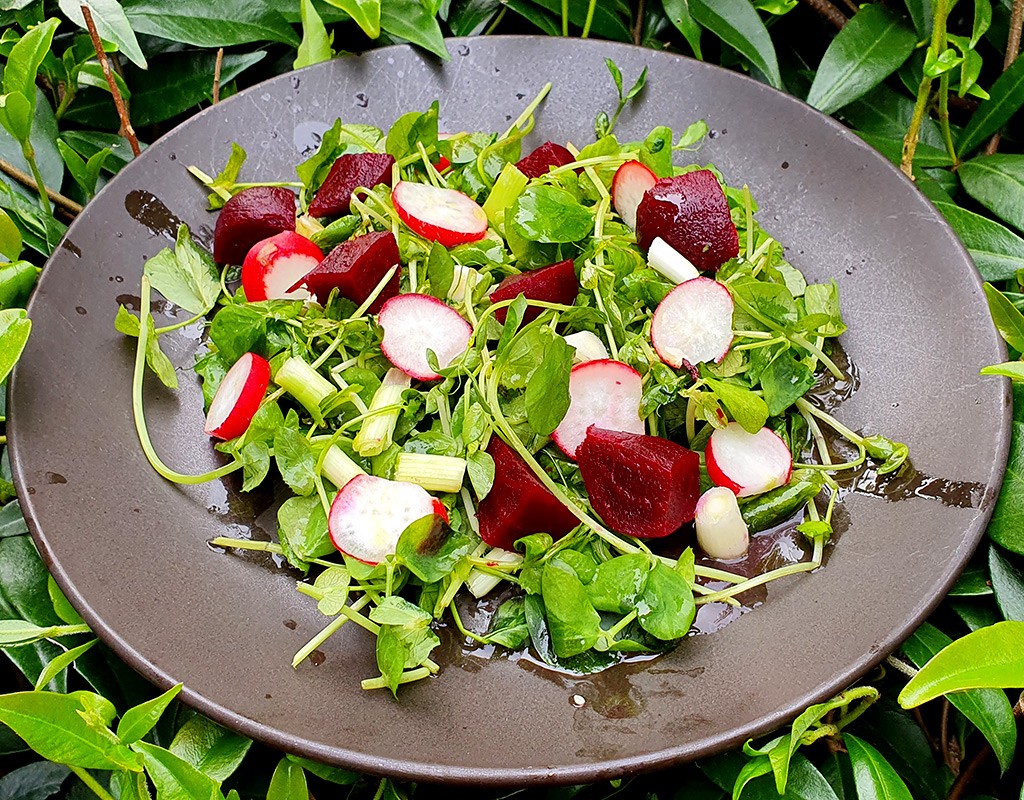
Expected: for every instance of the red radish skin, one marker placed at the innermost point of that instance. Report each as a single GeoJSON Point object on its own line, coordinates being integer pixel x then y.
{"type": "Point", "coordinates": [348, 173]}
{"type": "Point", "coordinates": [631, 180]}
{"type": "Point", "coordinates": [541, 160]}
{"type": "Point", "coordinates": [693, 323]}
{"type": "Point", "coordinates": [369, 515]}
{"type": "Point", "coordinates": [274, 266]}
{"type": "Point", "coordinates": [355, 267]}
{"type": "Point", "coordinates": [440, 215]}
{"type": "Point", "coordinates": [642, 486]}
{"type": "Point", "coordinates": [414, 323]}
{"type": "Point", "coordinates": [238, 397]}
{"type": "Point", "coordinates": [748, 463]}
{"type": "Point", "coordinates": [518, 503]}
{"type": "Point", "coordinates": [249, 217]}
{"type": "Point", "coordinates": [554, 284]}
{"type": "Point", "coordinates": [691, 214]}
{"type": "Point", "coordinates": [604, 393]}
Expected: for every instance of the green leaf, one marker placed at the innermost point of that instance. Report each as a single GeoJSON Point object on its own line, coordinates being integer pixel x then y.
{"type": "Point", "coordinates": [174, 778]}
{"type": "Point", "coordinates": [24, 60]}
{"type": "Point", "coordinates": [61, 605]}
{"type": "Point", "coordinates": [316, 43]}
{"type": "Point", "coordinates": [1005, 528]}
{"type": "Point", "coordinates": [656, 151]}
{"type": "Point", "coordinates": [547, 393]}
{"type": "Point", "coordinates": [746, 408]}
{"type": "Point", "coordinates": [873, 775]}
{"type": "Point", "coordinates": [412, 129]}
{"type": "Point", "coordinates": [36, 781]}
{"type": "Point", "coordinates": [737, 24]}
{"type": "Point", "coordinates": [341, 777]}
{"type": "Point", "coordinates": [16, 115]}
{"type": "Point", "coordinates": [1007, 319]}
{"type": "Point", "coordinates": [211, 749]}
{"type": "Point", "coordinates": [988, 658]}
{"type": "Point", "coordinates": [186, 276]}
{"type": "Point", "coordinates": [431, 549]}
{"type": "Point", "coordinates": [157, 359]}
{"type": "Point", "coordinates": [85, 173]}
{"type": "Point", "coordinates": [15, 327]}
{"type": "Point", "coordinates": [390, 656]}
{"type": "Point", "coordinates": [997, 182]}
{"type": "Point", "coordinates": [480, 468]}
{"type": "Point", "coordinates": [666, 607]}
{"type": "Point", "coordinates": [678, 13]}
{"type": "Point", "coordinates": [67, 728]}
{"type": "Point", "coordinates": [871, 46]}
{"type": "Point", "coordinates": [1007, 584]}
{"type": "Point", "coordinates": [440, 270]}
{"type": "Point", "coordinates": [982, 21]}
{"type": "Point", "coordinates": [545, 213]}
{"type": "Point", "coordinates": [997, 251]}
{"type": "Point", "coordinates": [288, 781]}
{"type": "Point", "coordinates": [295, 460]}
{"type": "Point", "coordinates": [139, 720]}
{"type": "Point", "coordinates": [10, 239]}
{"type": "Point", "coordinates": [111, 24]}
{"type": "Point", "coordinates": [365, 13]}
{"type": "Point", "coordinates": [573, 623]}
{"type": "Point", "coordinates": [619, 582]}
{"type": "Point", "coordinates": [302, 530]}
{"type": "Point", "coordinates": [1006, 96]}
{"type": "Point", "coordinates": [237, 330]}
{"type": "Point", "coordinates": [203, 24]}
{"type": "Point", "coordinates": [61, 663]}
{"type": "Point", "coordinates": [988, 709]}
{"type": "Point", "coordinates": [409, 20]}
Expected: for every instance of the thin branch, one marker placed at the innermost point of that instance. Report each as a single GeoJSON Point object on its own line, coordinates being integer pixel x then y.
{"type": "Point", "coordinates": [1012, 50]}
{"type": "Point", "coordinates": [216, 75]}
{"type": "Point", "coordinates": [638, 28]}
{"type": "Point", "coordinates": [122, 111]}
{"type": "Point", "coordinates": [828, 12]}
{"type": "Point", "coordinates": [24, 178]}
{"type": "Point", "coordinates": [947, 755]}
{"type": "Point", "coordinates": [932, 742]}
{"type": "Point", "coordinates": [963, 780]}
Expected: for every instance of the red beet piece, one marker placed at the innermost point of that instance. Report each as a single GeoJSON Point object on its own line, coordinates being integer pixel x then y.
{"type": "Point", "coordinates": [554, 284]}
{"type": "Point", "coordinates": [643, 486]}
{"type": "Point", "coordinates": [518, 503]}
{"type": "Point", "coordinates": [356, 267]}
{"type": "Point", "coordinates": [689, 212]}
{"type": "Point", "coordinates": [251, 216]}
{"type": "Point", "coordinates": [541, 160]}
{"type": "Point", "coordinates": [348, 173]}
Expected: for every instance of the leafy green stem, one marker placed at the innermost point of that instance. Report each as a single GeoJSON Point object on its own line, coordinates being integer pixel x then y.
{"type": "Point", "coordinates": [86, 777]}
{"type": "Point", "coordinates": [30, 156]}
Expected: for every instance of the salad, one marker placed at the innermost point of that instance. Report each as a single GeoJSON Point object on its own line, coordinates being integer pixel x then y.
{"type": "Point", "coordinates": [574, 382]}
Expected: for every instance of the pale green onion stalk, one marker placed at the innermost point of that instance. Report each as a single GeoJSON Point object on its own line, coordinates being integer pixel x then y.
{"type": "Point", "coordinates": [338, 468]}
{"type": "Point", "coordinates": [482, 583]}
{"type": "Point", "coordinates": [374, 436]}
{"type": "Point", "coordinates": [305, 384]}
{"type": "Point", "coordinates": [433, 473]}
{"type": "Point", "coordinates": [510, 184]}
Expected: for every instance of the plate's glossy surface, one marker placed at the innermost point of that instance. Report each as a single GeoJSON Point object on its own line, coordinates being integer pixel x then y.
{"type": "Point", "coordinates": [130, 549]}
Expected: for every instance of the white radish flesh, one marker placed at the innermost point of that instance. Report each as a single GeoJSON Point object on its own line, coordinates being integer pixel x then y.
{"type": "Point", "coordinates": [588, 346]}
{"type": "Point", "coordinates": [604, 393]}
{"type": "Point", "coordinates": [238, 397]}
{"type": "Point", "coordinates": [440, 215]}
{"type": "Point", "coordinates": [693, 323]}
{"type": "Point", "coordinates": [369, 515]}
{"type": "Point", "coordinates": [664, 258]}
{"type": "Point", "coordinates": [631, 180]}
{"type": "Point", "coordinates": [748, 463]}
{"type": "Point", "coordinates": [721, 531]}
{"type": "Point", "coordinates": [415, 323]}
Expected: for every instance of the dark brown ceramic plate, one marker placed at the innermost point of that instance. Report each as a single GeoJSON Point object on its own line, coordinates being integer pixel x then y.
{"type": "Point", "coordinates": [130, 549]}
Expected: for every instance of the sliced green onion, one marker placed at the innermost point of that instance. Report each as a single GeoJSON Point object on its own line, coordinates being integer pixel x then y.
{"type": "Point", "coordinates": [305, 384]}
{"type": "Point", "coordinates": [374, 436]}
{"type": "Point", "coordinates": [482, 583]}
{"type": "Point", "coordinates": [433, 473]}
{"type": "Point", "coordinates": [338, 468]}
{"type": "Point", "coordinates": [510, 184]}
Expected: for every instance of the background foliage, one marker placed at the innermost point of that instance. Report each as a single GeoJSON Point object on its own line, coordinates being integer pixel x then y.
{"type": "Point", "coordinates": [934, 85]}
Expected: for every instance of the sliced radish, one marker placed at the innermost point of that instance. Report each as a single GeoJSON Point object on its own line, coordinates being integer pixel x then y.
{"type": "Point", "coordinates": [369, 515]}
{"type": "Point", "coordinates": [748, 463]}
{"type": "Point", "coordinates": [238, 397]}
{"type": "Point", "coordinates": [631, 180]}
{"type": "Point", "coordinates": [275, 265]}
{"type": "Point", "coordinates": [250, 216]}
{"type": "Point", "coordinates": [415, 323]}
{"type": "Point", "coordinates": [440, 215]}
{"type": "Point", "coordinates": [664, 258]}
{"type": "Point", "coordinates": [721, 531]}
{"type": "Point", "coordinates": [693, 323]}
{"type": "Point", "coordinates": [588, 346]}
{"type": "Point", "coordinates": [604, 393]}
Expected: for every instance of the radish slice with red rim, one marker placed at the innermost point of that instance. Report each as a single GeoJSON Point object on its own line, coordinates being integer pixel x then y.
{"type": "Point", "coordinates": [273, 266]}
{"type": "Point", "coordinates": [604, 393]}
{"type": "Point", "coordinates": [693, 323]}
{"type": "Point", "coordinates": [748, 463]}
{"type": "Point", "coordinates": [369, 515]}
{"type": "Point", "coordinates": [631, 180]}
{"type": "Point", "coordinates": [238, 397]}
{"type": "Point", "coordinates": [440, 215]}
{"type": "Point", "coordinates": [415, 323]}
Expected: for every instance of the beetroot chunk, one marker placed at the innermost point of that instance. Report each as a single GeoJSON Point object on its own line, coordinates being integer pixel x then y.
{"type": "Point", "coordinates": [355, 267]}
{"type": "Point", "coordinates": [690, 213]}
{"type": "Point", "coordinates": [518, 503]}
{"type": "Point", "coordinates": [554, 284]}
{"type": "Point", "coordinates": [251, 216]}
{"type": "Point", "coordinates": [541, 160]}
{"type": "Point", "coordinates": [643, 486]}
{"type": "Point", "coordinates": [347, 174]}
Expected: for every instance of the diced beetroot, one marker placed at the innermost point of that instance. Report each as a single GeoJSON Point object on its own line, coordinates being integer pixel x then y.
{"type": "Point", "coordinates": [518, 503]}
{"type": "Point", "coordinates": [355, 267]}
{"type": "Point", "coordinates": [348, 173]}
{"type": "Point", "coordinates": [541, 160]}
{"type": "Point", "coordinates": [691, 214]}
{"type": "Point", "coordinates": [251, 216]}
{"type": "Point", "coordinates": [554, 284]}
{"type": "Point", "coordinates": [643, 486]}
